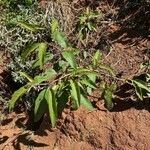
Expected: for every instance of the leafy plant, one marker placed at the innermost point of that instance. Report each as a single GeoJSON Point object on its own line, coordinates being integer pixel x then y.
{"type": "Point", "coordinates": [142, 88]}
{"type": "Point", "coordinates": [41, 48]}
{"type": "Point", "coordinates": [108, 94]}
{"type": "Point", "coordinates": [86, 22]}
{"type": "Point", "coordinates": [57, 35]}
{"type": "Point", "coordinates": [65, 80]}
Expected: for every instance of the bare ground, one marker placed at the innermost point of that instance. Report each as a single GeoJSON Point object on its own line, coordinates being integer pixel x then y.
{"type": "Point", "coordinates": [122, 130]}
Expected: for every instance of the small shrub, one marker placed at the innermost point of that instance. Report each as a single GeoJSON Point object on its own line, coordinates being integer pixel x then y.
{"type": "Point", "coordinates": [87, 22]}
{"type": "Point", "coordinates": [142, 87]}
{"type": "Point", "coordinates": [68, 79]}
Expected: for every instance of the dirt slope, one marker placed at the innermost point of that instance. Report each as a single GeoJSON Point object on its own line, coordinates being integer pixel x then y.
{"type": "Point", "coordinates": [83, 130]}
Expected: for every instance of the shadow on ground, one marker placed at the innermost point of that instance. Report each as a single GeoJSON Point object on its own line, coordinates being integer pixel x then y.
{"type": "Point", "coordinates": [125, 100]}
{"type": "Point", "coordinates": [24, 139]}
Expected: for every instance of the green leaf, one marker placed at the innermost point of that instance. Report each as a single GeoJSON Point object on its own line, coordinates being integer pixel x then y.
{"type": "Point", "coordinates": [82, 19]}
{"type": "Point", "coordinates": [92, 77]}
{"type": "Point", "coordinates": [90, 27]}
{"type": "Point", "coordinates": [94, 15]}
{"type": "Point", "coordinates": [108, 96]}
{"type": "Point", "coordinates": [60, 39]}
{"type": "Point", "coordinates": [88, 83]}
{"type": "Point", "coordinates": [85, 102]}
{"type": "Point", "coordinates": [30, 27]}
{"type": "Point", "coordinates": [147, 77]}
{"type": "Point", "coordinates": [97, 57]}
{"type": "Point", "coordinates": [47, 58]}
{"type": "Point", "coordinates": [54, 25]}
{"type": "Point", "coordinates": [63, 65]}
{"type": "Point", "coordinates": [46, 76]}
{"type": "Point", "coordinates": [141, 84]}
{"type": "Point", "coordinates": [62, 99]}
{"type": "Point", "coordinates": [41, 54]}
{"type": "Point", "coordinates": [75, 94]}
{"type": "Point", "coordinates": [40, 106]}
{"type": "Point", "coordinates": [138, 91]}
{"type": "Point", "coordinates": [141, 88]}
{"type": "Point", "coordinates": [70, 58]}
{"type": "Point", "coordinates": [24, 74]}
{"type": "Point", "coordinates": [57, 35]}
{"type": "Point", "coordinates": [17, 94]}
{"type": "Point", "coordinates": [89, 90]}
{"type": "Point", "coordinates": [52, 106]}
{"type": "Point", "coordinates": [29, 50]}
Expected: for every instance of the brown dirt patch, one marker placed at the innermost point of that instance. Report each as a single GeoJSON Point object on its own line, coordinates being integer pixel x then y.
{"type": "Point", "coordinates": [126, 60]}
{"type": "Point", "coordinates": [129, 129]}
